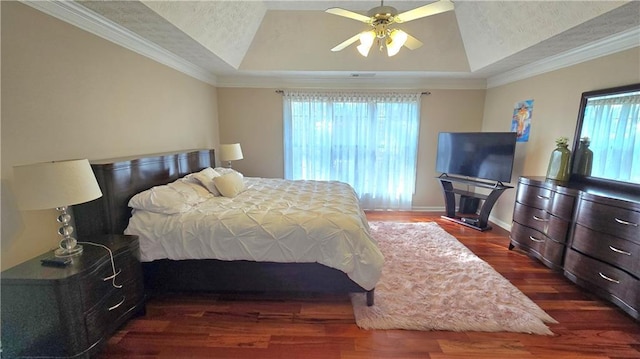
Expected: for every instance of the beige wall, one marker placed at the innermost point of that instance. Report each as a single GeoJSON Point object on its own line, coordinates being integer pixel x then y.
{"type": "Point", "coordinates": [69, 94]}
{"type": "Point", "coordinates": [556, 98]}
{"type": "Point", "coordinates": [253, 117]}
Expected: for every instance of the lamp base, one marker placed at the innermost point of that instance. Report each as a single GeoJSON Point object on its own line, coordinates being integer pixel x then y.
{"type": "Point", "coordinates": [68, 252]}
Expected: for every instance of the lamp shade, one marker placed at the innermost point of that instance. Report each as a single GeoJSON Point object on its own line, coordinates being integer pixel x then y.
{"type": "Point", "coordinates": [230, 152]}
{"type": "Point", "coordinates": [397, 38]}
{"type": "Point", "coordinates": [366, 41]}
{"type": "Point", "coordinates": [55, 184]}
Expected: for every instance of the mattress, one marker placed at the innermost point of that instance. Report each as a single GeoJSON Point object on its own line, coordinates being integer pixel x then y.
{"type": "Point", "coordinates": [271, 220]}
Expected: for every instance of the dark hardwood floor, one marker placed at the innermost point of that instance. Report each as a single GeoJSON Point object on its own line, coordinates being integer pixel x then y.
{"type": "Point", "coordinates": [322, 326]}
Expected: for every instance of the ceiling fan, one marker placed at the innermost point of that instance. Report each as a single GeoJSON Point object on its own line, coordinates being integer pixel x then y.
{"type": "Point", "coordinates": [380, 18]}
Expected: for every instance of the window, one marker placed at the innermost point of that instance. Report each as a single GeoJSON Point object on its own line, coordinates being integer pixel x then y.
{"type": "Point", "coordinates": [368, 140]}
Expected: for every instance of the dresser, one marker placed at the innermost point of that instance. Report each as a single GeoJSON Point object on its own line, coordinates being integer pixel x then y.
{"type": "Point", "coordinates": [542, 218]}
{"type": "Point", "coordinates": [590, 233]}
{"type": "Point", "coordinates": [71, 311]}
{"type": "Point", "coordinates": [604, 255]}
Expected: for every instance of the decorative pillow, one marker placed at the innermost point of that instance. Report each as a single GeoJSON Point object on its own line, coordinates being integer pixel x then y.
{"type": "Point", "coordinates": [230, 184]}
{"type": "Point", "coordinates": [225, 170]}
{"type": "Point", "coordinates": [205, 178]}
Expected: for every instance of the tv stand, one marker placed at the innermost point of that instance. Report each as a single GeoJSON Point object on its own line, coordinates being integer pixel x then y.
{"type": "Point", "coordinates": [480, 221]}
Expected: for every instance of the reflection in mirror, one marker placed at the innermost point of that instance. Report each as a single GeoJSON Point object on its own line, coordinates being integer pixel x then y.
{"type": "Point", "coordinates": [607, 143]}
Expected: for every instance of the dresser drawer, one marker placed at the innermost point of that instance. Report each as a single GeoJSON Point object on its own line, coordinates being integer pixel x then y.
{"type": "Point", "coordinates": [528, 237]}
{"type": "Point", "coordinates": [530, 217]}
{"type": "Point", "coordinates": [533, 196]}
{"type": "Point", "coordinates": [623, 254]}
{"type": "Point", "coordinates": [557, 229]}
{"type": "Point", "coordinates": [612, 280]}
{"type": "Point", "coordinates": [562, 205]}
{"type": "Point", "coordinates": [108, 314]}
{"type": "Point", "coordinates": [610, 219]}
{"type": "Point", "coordinates": [100, 282]}
{"type": "Point", "coordinates": [553, 253]}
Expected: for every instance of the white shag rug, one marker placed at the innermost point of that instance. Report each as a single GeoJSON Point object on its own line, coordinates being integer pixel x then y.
{"type": "Point", "coordinates": [431, 281]}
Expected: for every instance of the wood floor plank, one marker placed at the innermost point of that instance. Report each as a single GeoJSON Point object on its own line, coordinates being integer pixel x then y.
{"type": "Point", "coordinates": [193, 325]}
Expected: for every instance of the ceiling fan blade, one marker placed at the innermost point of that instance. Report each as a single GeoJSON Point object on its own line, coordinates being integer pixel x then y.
{"type": "Point", "coordinates": [346, 43]}
{"type": "Point", "coordinates": [423, 11]}
{"type": "Point", "coordinates": [350, 14]}
{"type": "Point", "coordinates": [412, 43]}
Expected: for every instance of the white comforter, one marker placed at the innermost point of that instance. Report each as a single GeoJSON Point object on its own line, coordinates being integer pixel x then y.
{"type": "Point", "coordinates": [273, 220]}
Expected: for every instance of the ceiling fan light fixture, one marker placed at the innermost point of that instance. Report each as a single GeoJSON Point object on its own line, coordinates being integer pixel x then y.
{"type": "Point", "coordinates": [366, 41]}
{"type": "Point", "coordinates": [396, 40]}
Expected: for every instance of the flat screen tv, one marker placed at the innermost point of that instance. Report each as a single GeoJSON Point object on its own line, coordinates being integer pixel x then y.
{"type": "Point", "coordinates": [484, 155]}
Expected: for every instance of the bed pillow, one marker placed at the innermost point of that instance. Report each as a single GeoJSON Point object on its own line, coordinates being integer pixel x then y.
{"type": "Point", "coordinates": [160, 199]}
{"type": "Point", "coordinates": [205, 178]}
{"type": "Point", "coordinates": [176, 197]}
{"type": "Point", "coordinates": [230, 184]}
{"type": "Point", "coordinates": [192, 192]}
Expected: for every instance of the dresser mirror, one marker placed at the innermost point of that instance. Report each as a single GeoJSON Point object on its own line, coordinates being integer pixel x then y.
{"type": "Point", "coordinates": [606, 148]}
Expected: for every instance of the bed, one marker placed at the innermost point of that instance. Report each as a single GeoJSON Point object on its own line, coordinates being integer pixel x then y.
{"type": "Point", "coordinates": [122, 179]}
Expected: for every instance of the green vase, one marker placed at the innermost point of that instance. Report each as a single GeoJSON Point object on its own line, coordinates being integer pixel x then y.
{"type": "Point", "coordinates": [583, 159]}
{"type": "Point", "coordinates": [559, 163]}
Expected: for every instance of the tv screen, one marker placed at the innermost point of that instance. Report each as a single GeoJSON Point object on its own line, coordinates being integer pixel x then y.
{"type": "Point", "coordinates": [484, 155]}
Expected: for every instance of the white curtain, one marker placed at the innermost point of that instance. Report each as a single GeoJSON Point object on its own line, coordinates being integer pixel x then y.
{"type": "Point", "coordinates": [368, 140]}
{"type": "Point", "coordinates": [616, 147]}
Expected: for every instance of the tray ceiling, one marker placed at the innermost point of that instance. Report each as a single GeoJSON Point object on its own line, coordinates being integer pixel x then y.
{"type": "Point", "coordinates": [478, 40]}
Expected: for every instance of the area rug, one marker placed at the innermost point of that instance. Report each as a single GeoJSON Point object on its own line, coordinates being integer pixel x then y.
{"type": "Point", "coordinates": [431, 281]}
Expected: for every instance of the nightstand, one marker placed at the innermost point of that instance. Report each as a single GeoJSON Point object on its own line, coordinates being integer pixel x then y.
{"type": "Point", "coordinates": [71, 311]}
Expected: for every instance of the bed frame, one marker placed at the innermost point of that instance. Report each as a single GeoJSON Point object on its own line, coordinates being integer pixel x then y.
{"type": "Point", "coordinates": [121, 178]}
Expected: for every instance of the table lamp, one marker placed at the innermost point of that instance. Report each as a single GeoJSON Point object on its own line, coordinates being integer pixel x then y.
{"type": "Point", "coordinates": [230, 152]}
{"type": "Point", "coordinates": [57, 184]}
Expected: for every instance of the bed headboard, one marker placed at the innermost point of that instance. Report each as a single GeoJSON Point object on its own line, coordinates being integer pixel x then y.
{"type": "Point", "coordinates": [121, 178]}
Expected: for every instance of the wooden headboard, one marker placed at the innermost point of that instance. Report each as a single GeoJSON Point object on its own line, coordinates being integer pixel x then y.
{"type": "Point", "coordinates": [121, 178]}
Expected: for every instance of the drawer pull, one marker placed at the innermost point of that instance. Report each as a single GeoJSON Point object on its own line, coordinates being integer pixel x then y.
{"type": "Point", "coordinates": [122, 301]}
{"type": "Point", "coordinates": [609, 279]}
{"type": "Point", "coordinates": [536, 239]}
{"type": "Point", "coordinates": [542, 197]}
{"type": "Point", "coordinates": [621, 221]}
{"type": "Point", "coordinates": [112, 277]}
{"type": "Point", "coordinates": [540, 219]}
{"type": "Point", "coordinates": [619, 250]}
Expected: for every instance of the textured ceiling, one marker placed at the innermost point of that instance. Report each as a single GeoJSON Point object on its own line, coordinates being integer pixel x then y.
{"type": "Point", "coordinates": [479, 39]}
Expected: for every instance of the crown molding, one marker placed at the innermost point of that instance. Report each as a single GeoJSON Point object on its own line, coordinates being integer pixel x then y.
{"type": "Point", "coordinates": [85, 19]}
{"type": "Point", "coordinates": [607, 46]}
{"type": "Point", "coordinates": [324, 80]}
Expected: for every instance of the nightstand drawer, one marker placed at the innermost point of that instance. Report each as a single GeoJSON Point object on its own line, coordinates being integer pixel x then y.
{"type": "Point", "coordinates": [100, 282]}
{"type": "Point", "coordinates": [105, 316]}
{"type": "Point", "coordinates": [624, 254]}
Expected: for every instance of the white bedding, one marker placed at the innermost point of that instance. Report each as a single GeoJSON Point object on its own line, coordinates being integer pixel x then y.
{"type": "Point", "coordinates": [272, 220]}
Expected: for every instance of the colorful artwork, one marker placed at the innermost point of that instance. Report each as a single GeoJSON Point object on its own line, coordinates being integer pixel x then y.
{"type": "Point", "coordinates": [521, 121]}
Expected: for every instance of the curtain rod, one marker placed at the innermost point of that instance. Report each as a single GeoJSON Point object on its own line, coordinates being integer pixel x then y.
{"type": "Point", "coordinates": [422, 93]}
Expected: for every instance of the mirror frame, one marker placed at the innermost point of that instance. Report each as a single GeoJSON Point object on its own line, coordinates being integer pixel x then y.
{"type": "Point", "coordinates": [599, 181]}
